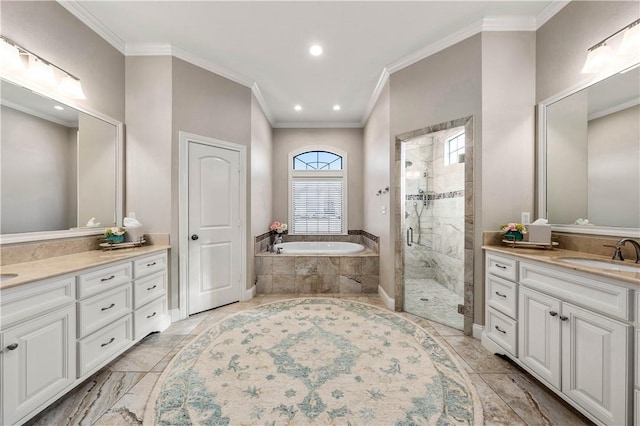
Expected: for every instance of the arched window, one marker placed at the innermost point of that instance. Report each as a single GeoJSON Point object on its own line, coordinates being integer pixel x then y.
{"type": "Point", "coordinates": [317, 191]}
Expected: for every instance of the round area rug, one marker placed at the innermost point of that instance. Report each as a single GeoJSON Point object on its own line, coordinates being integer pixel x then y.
{"type": "Point", "coordinates": [314, 361]}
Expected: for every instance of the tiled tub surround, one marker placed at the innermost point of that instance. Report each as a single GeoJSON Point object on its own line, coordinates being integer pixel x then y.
{"type": "Point", "coordinates": [345, 274]}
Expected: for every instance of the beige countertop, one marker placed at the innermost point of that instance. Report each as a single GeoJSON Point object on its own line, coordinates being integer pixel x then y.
{"type": "Point", "coordinates": [553, 257]}
{"type": "Point", "coordinates": [54, 266]}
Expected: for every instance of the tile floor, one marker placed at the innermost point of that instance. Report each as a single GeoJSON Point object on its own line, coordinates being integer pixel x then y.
{"type": "Point", "coordinates": [429, 299]}
{"type": "Point", "coordinates": [117, 394]}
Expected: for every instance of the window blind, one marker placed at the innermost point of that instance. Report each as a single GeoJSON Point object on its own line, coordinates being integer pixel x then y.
{"type": "Point", "coordinates": [317, 206]}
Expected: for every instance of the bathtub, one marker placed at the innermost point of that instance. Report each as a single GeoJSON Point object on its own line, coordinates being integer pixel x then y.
{"type": "Point", "coordinates": [319, 247]}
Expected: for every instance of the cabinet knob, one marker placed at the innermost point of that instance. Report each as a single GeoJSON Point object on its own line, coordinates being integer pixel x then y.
{"type": "Point", "coordinates": [12, 346]}
{"type": "Point", "coordinates": [563, 318]}
{"type": "Point", "coordinates": [194, 237]}
{"type": "Point", "coordinates": [553, 313]}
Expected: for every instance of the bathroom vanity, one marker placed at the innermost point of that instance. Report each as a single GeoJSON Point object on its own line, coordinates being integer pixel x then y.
{"type": "Point", "coordinates": [64, 318]}
{"type": "Point", "coordinates": [575, 328]}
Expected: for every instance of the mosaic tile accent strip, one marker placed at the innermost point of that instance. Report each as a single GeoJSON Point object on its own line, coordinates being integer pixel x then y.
{"type": "Point", "coordinates": [439, 196]}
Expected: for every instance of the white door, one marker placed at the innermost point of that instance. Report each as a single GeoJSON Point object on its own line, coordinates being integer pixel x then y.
{"type": "Point", "coordinates": [214, 227]}
{"type": "Point", "coordinates": [596, 372]}
{"type": "Point", "coordinates": [539, 334]}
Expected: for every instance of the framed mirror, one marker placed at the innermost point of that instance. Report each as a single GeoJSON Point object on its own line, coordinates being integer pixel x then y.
{"type": "Point", "coordinates": [589, 157]}
{"type": "Point", "coordinates": [61, 167]}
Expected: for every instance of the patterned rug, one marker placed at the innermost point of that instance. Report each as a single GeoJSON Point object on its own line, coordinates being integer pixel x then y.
{"type": "Point", "coordinates": [314, 361]}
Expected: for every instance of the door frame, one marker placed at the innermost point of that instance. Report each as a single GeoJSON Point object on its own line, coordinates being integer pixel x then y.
{"type": "Point", "coordinates": [183, 213]}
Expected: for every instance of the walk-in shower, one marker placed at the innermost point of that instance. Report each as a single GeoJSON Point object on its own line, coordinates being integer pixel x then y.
{"type": "Point", "coordinates": [433, 224]}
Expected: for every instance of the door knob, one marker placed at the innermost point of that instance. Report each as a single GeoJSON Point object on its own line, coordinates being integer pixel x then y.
{"type": "Point", "coordinates": [194, 237]}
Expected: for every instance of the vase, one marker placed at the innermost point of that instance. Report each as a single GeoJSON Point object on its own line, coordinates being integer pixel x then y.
{"type": "Point", "coordinates": [115, 239]}
{"type": "Point", "coordinates": [278, 239]}
{"type": "Point", "coordinates": [513, 236]}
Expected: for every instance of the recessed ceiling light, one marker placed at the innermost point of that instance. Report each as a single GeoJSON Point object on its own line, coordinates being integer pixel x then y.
{"type": "Point", "coordinates": [297, 108]}
{"type": "Point", "coordinates": [58, 107]}
{"type": "Point", "coordinates": [316, 50]}
{"type": "Point", "coordinates": [336, 107]}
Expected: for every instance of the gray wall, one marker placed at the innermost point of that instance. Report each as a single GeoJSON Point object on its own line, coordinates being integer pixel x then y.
{"type": "Point", "coordinates": [261, 177]}
{"type": "Point", "coordinates": [378, 147]}
{"type": "Point", "coordinates": [562, 42]}
{"type": "Point", "coordinates": [348, 140]}
{"type": "Point", "coordinates": [37, 174]}
{"type": "Point", "coordinates": [47, 29]}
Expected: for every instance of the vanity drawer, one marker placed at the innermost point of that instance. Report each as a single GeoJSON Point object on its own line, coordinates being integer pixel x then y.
{"type": "Point", "coordinates": [502, 330]}
{"type": "Point", "coordinates": [102, 309]}
{"type": "Point", "coordinates": [149, 265]}
{"type": "Point", "coordinates": [145, 318]}
{"type": "Point", "coordinates": [502, 295]}
{"type": "Point", "coordinates": [502, 266]}
{"type": "Point", "coordinates": [595, 294]}
{"type": "Point", "coordinates": [101, 346]}
{"type": "Point", "coordinates": [22, 302]}
{"type": "Point", "coordinates": [149, 288]}
{"type": "Point", "coordinates": [102, 279]}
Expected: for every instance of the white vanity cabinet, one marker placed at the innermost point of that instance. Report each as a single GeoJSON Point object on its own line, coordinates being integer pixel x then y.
{"type": "Point", "coordinates": [54, 333]}
{"type": "Point", "coordinates": [502, 302]}
{"type": "Point", "coordinates": [575, 333]}
{"type": "Point", "coordinates": [637, 357]}
{"type": "Point", "coordinates": [38, 357]}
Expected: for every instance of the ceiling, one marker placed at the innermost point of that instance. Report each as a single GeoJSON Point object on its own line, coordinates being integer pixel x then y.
{"type": "Point", "coordinates": [264, 44]}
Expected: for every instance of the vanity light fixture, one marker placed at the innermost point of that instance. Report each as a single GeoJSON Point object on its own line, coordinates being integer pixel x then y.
{"type": "Point", "coordinates": [297, 108]}
{"type": "Point", "coordinates": [601, 55]}
{"type": "Point", "coordinates": [37, 70]}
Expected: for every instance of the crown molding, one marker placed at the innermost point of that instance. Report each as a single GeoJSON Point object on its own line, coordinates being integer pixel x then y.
{"type": "Point", "coordinates": [550, 11]}
{"type": "Point", "coordinates": [148, 49]}
{"type": "Point", "coordinates": [508, 23]}
{"type": "Point", "coordinates": [255, 89]}
{"type": "Point", "coordinates": [77, 10]}
{"type": "Point", "coordinates": [384, 77]}
{"type": "Point", "coordinates": [312, 125]}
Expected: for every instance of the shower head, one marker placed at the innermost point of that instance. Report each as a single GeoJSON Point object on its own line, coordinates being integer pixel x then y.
{"type": "Point", "coordinates": [408, 164]}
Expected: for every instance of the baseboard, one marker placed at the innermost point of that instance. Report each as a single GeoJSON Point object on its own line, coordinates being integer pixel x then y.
{"type": "Point", "coordinates": [249, 293]}
{"type": "Point", "coordinates": [477, 331]}
{"type": "Point", "coordinates": [174, 314]}
{"type": "Point", "coordinates": [389, 302]}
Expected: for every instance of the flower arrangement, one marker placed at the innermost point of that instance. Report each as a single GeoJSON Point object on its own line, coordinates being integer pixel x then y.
{"type": "Point", "coordinates": [518, 227]}
{"type": "Point", "coordinates": [278, 227]}
{"type": "Point", "coordinates": [115, 234]}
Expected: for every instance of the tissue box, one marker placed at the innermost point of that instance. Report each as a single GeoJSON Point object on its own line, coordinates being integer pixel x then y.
{"type": "Point", "coordinates": [539, 234]}
{"type": "Point", "coordinates": [134, 235]}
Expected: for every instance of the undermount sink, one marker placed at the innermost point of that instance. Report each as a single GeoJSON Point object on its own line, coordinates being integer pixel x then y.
{"type": "Point", "coordinates": [602, 264]}
{"type": "Point", "coordinates": [5, 277]}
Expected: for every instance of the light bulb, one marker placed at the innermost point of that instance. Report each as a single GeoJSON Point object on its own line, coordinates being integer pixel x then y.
{"type": "Point", "coordinates": [598, 59]}
{"type": "Point", "coordinates": [11, 60]}
{"type": "Point", "coordinates": [71, 88]}
{"type": "Point", "coordinates": [316, 50]}
{"type": "Point", "coordinates": [631, 40]}
{"type": "Point", "coordinates": [41, 72]}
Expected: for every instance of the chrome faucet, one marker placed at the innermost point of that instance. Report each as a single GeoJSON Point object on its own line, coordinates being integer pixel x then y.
{"type": "Point", "coordinates": [618, 254]}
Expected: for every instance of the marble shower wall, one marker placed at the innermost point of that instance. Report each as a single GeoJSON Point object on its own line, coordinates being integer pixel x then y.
{"type": "Point", "coordinates": [434, 208]}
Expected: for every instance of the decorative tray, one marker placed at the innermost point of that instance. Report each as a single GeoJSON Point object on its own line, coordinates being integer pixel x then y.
{"type": "Point", "coordinates": [527, 244]}
{"type": "Point", "coordinates": [113, 246]}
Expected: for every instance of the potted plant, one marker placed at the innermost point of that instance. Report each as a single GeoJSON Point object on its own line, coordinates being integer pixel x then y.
{"type": "Point", "coordinates": [514, 231]}
{"type": "Point", "coordinates": [115, 234]}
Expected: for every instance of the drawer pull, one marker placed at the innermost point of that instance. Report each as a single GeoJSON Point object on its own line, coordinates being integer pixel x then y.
{"type": "Point", "coordinates": [151, 316]}
{"type": "Point", "coordinates": [500, 266]}
{"type": "Point", "coordinates": [108, 279]}
{"type": "Point", "coordinates": [151, 264]}
{"type": "Point", "coordinates": [553, 313]}
{"type": "Point", "coordinates": [500, 330]}
{"type": "Point", "coordinates": [563, 318]}
{"type": "Point", "coordinates": [108, 307]}
{"type": "Point", "coordinates": [12, 347]}
{"type": "Point", "coordinates": [108, 343]}
{"type": "Point", "coordinates": [500, 294]}
{"type": "Point", "coordinates": [151, 288]}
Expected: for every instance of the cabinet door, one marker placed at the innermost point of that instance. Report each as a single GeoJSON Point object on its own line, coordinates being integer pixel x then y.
{"type": "Point", "coordinates": [539, 334]}
{"type": "Point", "coordinates": [41, 365]}
{"type": "Point", "coordinates": [596, 372]}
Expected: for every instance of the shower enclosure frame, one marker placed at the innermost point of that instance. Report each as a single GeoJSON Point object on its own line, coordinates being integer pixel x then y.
{"type": "Point", "coordinates": [467, 123]}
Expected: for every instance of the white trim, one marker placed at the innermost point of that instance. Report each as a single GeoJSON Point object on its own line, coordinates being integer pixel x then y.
{"type": "Point", "coordinates": [598, 230]}
{"type": "Point", "coordinates": [174, 314]}
{"type": "Point", "coordinates": [49, 235]}
{"type": "Point", "coordinates": [384, 77]}
{"type": "Point", "coordinates": [315, 125]}
{"type": "Point", "coordinates": [148, 49]}
{"type": "Point", "coordinates": [249, 294]}
{"type": "Point", "coordinates": [613, 109]}
{"type": "Point", "coordinates": [39, 114]}
{"type": "Point", "coordinates": [76, 9]}
{"type": "Point", "coordinates": [255, 89]}
{"type": "Point", "coordinates": [477, 331]}
{"type": "Point", "coordinates": [388, 301]}
{"type": "Point", "coordinates": [508, 23]}
{"type": "Point", "coordinates": [549, 12]}
{"type": "Point", "coordinates": [183, 211]}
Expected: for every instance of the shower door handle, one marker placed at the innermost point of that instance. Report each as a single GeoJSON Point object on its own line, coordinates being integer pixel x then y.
{"type": "Point", "coordinates": [409, 240]}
